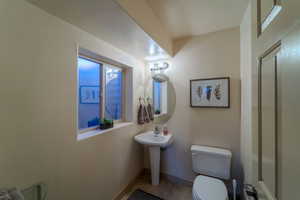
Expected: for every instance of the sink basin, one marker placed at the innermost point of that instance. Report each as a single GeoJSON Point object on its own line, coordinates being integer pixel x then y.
{"type": "Point", "coordinates": [155, 143]}
{"type": "Point", "coordinates": [150, 139]}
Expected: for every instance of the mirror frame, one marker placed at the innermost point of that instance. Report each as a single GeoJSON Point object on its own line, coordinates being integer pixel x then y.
{"type": "Point", "coordinates": [276, 3]}
{"type": "Point", "coordinates": [275, 47]}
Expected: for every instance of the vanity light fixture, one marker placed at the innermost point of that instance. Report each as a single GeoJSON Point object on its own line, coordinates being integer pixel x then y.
{"type": "Point", "coordinates": [159, 66]}
{"type": "Point", "coordinates": [158, 69]}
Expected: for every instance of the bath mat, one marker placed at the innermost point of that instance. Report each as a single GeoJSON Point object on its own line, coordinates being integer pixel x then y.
{"type": "Point", "coordinates": [141, 195]}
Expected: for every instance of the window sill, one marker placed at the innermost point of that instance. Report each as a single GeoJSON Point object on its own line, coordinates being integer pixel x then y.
{"type": "Point", "coordinates": [92, 133]}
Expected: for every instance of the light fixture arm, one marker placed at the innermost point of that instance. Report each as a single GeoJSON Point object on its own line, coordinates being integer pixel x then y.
{"type": "Point", "coordinates": [166, 66]}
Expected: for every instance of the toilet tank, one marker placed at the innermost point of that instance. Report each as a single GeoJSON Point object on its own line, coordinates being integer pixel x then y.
{"type": "Point", "coordinates": [211, 161]}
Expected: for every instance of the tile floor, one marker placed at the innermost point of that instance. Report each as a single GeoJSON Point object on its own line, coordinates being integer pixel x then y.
{"type": "Point", "coordinates": [167, 190]}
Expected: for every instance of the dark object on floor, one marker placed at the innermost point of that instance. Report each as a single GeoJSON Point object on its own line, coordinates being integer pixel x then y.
{"type": "Point", "coordinates": [141, 195]}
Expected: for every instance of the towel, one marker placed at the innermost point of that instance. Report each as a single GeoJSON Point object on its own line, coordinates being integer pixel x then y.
{"type": "Point", "coordinates": [146, 115]}
{"type": "Point", "coordinates": [140, 116]}
{"type": "Point", "coordinates": [150, 111]}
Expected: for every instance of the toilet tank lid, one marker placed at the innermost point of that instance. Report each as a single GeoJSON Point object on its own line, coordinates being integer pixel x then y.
{"type": "Point", "coordinates": [210, 150]}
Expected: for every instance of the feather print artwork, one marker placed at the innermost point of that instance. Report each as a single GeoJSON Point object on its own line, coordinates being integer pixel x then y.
{"type": "Point", "coordinates": [200, 91]}
{"type": "Point", "coordinates": [218, 92]}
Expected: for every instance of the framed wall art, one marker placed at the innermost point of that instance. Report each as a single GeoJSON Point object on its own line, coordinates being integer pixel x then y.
{"type": "Point", "coordinates": [210, 93]}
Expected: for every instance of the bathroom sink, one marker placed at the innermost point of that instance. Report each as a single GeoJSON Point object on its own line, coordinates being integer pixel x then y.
{"type": "Point", "coordinates": [155, 143]}
{"type": "Point", "coordinates": [150, 139]}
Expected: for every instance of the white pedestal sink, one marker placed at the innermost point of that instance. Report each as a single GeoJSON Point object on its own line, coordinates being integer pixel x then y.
{"type": "Point", "coordinates": [154, 142]}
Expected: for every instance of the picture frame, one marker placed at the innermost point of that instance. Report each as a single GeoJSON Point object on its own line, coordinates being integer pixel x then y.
{"type": "Point", "coordinates": [210, 93]}
{"type": "Point", "coordinates": [88, 94]}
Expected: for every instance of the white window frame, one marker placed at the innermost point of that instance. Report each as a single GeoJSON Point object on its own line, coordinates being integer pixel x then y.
{"type": "Point", "coordinates": [103, 66]}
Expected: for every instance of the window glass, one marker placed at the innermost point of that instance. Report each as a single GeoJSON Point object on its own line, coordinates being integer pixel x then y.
{"type": "Point", "coordinates": [89, 93]}
{"type": "Point", "coordinates": [113, 93]}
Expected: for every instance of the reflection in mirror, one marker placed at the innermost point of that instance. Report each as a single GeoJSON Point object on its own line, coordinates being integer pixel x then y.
{"type": "Point", "coordinates": [164, 100]}
{"type": "Point", "coordinates": [160, 96]}
{"type": "Point", "coordinates": [160, 78]}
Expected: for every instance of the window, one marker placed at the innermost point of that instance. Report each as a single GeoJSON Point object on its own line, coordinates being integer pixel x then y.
{"type": "Point", "coordinates": [89, 108]}
{"type": "Point", "coordinates": [113, 93]}
{"type": "Point", "coordinates": [100, 92]}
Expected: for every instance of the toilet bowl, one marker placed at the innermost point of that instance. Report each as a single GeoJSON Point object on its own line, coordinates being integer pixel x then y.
{"type": "Point", "coordinates": [210, 162]}
{"type": "Point", "coordinates": [207, 188]}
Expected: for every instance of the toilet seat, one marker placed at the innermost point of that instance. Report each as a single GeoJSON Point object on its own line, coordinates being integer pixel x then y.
{"type": "Point", "coordinates": [207, 188]}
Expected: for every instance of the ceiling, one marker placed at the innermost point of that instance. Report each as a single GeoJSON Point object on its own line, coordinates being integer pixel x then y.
{"type": "Point", "coordinates": [184, 18]}
{"type": "Point", "coordinates": [105, 20]}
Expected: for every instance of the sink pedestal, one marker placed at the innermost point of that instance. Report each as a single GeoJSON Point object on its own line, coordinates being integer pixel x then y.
{"type": "Point", "coordinates": [155, 143]}
{"type": "Point", "coordinates": [155, 164]}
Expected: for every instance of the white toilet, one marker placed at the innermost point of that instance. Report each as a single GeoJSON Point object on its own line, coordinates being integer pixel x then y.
{"type": "Point", "coordinates": [210, 162]}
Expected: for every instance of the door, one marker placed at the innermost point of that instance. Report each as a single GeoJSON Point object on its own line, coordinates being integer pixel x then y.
{"type": "Point", "coordinates": [279, 119]}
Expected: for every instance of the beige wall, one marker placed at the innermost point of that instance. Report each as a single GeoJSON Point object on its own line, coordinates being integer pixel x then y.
{"type": "Point", "coordinates": [38, 110]}
{"type": "Point", "coordinates": [212, 55]}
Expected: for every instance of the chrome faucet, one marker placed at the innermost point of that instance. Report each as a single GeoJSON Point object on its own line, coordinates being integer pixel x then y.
{"type": "Point", "coordinates": [156, 131]}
